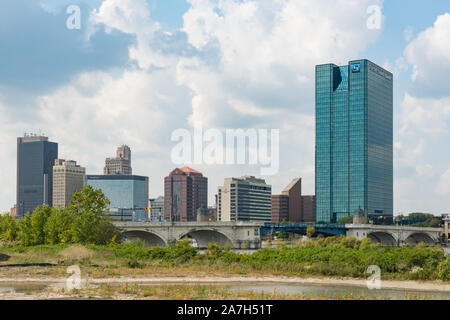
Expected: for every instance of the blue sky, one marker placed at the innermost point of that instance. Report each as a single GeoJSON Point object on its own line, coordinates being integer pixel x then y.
{"type": "Point", "coordinates": [137, 70]}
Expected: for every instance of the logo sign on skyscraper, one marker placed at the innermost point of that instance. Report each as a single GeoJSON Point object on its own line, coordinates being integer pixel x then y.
{"type": "Point", "coordinates": [356, 68]}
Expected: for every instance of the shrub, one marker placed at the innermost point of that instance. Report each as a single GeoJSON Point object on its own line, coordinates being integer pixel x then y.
{"type": "Point", "coordinates": [444, 270]}
{"type": "Point", "coordinates": [77, 253]}
{"type": "Point", "coordinates": [214, 251]}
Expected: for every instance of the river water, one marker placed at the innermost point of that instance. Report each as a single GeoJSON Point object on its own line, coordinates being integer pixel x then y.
{"type": "Point", "coordinates": [323, 291]}
{"type": "Point", "coordinates": [341, 292]}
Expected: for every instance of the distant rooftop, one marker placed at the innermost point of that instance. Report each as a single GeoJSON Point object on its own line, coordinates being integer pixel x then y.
{"type": "Point", "coordinates": [31, 137]}
{"type": "Point", "coordinates": [190, 170]}
{"type": "Point", "coordinates": [289, 187]}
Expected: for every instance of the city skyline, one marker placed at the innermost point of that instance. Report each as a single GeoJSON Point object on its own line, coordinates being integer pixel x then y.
{"type": "Point", "coordinates": [137, 93]}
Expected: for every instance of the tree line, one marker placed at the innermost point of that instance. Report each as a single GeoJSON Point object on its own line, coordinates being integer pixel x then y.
{"type": "Point", "coordinates": [84, 221]}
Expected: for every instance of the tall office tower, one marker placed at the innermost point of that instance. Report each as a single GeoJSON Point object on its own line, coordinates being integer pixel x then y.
{"type": "Point", "coordinates": [185, 190]}
{"type": "Point", "coordinates": [288, 205]}
{"type": "Point", "coordinates": [354, 140]}
{"type": "Point", "coordinates": [35, 158]}
{"type": "Point", "coordinates": [121, 164]}
{"type": "Point", "coordinates": [244, 199]}
{"type": "Point", "coordinates": [68, 177]}
{"type": "Point", "coordinates": [127, 194]}
{"type": "Point", "coordinates": [309, 208]}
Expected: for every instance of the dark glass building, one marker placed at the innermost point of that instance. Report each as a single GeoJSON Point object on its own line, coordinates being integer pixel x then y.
{"type": "Point", "coordinates": [354, 140]}
{"type": "Point", "coordinates": [35, 159]}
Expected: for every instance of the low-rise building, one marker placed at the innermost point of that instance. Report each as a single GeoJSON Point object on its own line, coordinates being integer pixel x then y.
{"type": "Point", "coordinates": [157, 209]}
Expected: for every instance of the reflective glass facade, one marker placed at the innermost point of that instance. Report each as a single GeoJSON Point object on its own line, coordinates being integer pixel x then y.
{"type": "Point", "coordinates": [354, 140]}
{"type": "Point", "coordinates": [126, 193]}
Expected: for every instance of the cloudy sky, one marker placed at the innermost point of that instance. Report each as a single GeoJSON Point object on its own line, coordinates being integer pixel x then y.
{"type": "Point", "coordinates": [137, 70]}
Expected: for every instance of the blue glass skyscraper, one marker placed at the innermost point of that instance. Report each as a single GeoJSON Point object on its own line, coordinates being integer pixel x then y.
{"type": "Point", "coordinates": [127, 194]}
{"type": "Point", "coordinates": [354, 140]}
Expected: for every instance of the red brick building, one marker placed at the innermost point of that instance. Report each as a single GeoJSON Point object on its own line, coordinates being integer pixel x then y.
{"type": "Point", "coordinates": [280, 208]}
{"type": "Point", "coordinates": [309, 208]}
{"type": "Point", "coordinates": [291, 206]}
{"type": "Point", "coordinates": [185, 190]}
{"type": "Point", "coordinates": [287, 207]}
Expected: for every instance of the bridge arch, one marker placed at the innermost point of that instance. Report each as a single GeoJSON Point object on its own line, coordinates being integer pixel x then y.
{"type": "Point", "coordinates": [205, 236]}
{"type": "Point", "coordinates": [384, 238]}
{"type": "Point", "coordinates": [152, 239]}
{"type": "Point", "coordinates": [418, 237]}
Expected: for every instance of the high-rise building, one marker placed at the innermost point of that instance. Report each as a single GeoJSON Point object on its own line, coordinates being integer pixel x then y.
{"type": "Point", "coordinates": [185, 190]}
{"type": "Point", "coordinates": [68, 177]}
{"type": "Point", "coordinates": [354, 140]}
{"type": "Point", "coordinates": [157, 209]}
{"type": "Point", "coordinates": [244, 199]}
{"type": "Point", "coordinates": [121, 164]}
{"type": "Point", "coordinates": [127, 194]}
{"type": "Point", "coordinates": [308, 208]}
{"type": "Point", "coordinates": [35, 158]}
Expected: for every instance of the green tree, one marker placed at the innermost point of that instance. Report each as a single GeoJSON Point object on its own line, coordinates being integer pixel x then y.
{"type": "Point", "coordinates": [8, 228]}
{"type": "Point", "coordinates": [91, 223]}
{"type": "Point", "coordinates": [88, 200]}
{"type": "Point", "coordinates": [31, 228]}
{"type": "Point", "coordinates": [58, 228]}
{"type": "Point", "coordinates": [25, 232]}
{"type": "Point", "coordinates": [38, 221]}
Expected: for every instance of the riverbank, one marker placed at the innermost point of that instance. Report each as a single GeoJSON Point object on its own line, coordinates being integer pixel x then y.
{"type": "Point", "coordinates": [207, 287]}
{"type": "Point", "coordinates": [436, 286]}
{"type": "Point", "coordinates": [330, 257]}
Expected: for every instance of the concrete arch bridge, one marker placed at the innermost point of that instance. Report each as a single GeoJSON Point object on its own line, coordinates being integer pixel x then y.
{"type": "Point", "coordinates": [395, 236]}
{"type": "Point", "coordinates": [239, 235]}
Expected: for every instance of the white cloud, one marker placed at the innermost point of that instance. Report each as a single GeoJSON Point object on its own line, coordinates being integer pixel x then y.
{"type": "Point", "coordinates": [267, 51]}
{"type": "Point", "coordinates": [429, 54]}
{"type": "Point", "coordinates": [425, 116]}
{"type": "Point", "coordinates": [424, 120]}
{"type": "Point", "coordinates": [132, 17]}
{"type": "Point", "coordinates": [251, 64]}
